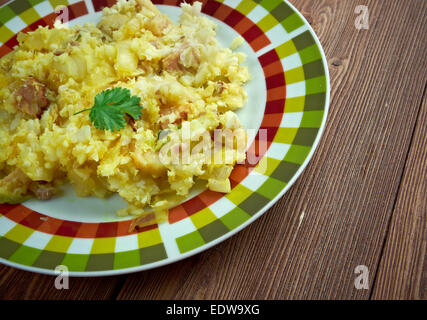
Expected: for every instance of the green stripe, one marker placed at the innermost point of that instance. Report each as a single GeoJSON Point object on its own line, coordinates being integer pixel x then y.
{"type": "Point", "coordinates": [312, 119]}
{"type": "Point", "coordinates": [270, 4]}
{"type": "Point", "coordinates": [19, 6]}
{"type": "Point", "coordinates": [294, 75]}
{"type": "Point", "coordinates": [297, 154]}
{"type": "Point", "coordinates": [296, 104]}
{"type": "Point", "coordinates": [127, 259]}
{"type": "Point", "coordinates": [190, 241]}
{"type": "Point", "coordinates": [6, 13]}
{"type": "Point", "coordinates": [267, 23]}
{"type": "Point", "coordinates": [152, 254]}
{"type": "Point", "coordinates": [5, 34]}
{"type": "Point", "coordinates": [286, 49]}
{"type": "Point", "coordinates": [25, 255]}
{"type": "Point", "coordinates": [56, 3]}
{"type": "Point", "coordinates": [234, 218]}
{"type": "Point", "coordinates": [303, 40]}
{"type": "Point", "coordinates": [246, 6]}
{"type": "Point", "coordinates": [314, 69]}
{"type": "Point", "coordinates": [310, 54]}
{"type": "Point", "coordinates": [282, 11]}
{"type": "Point", "coordinates": [292, 23]}
{"type": "Point", "coordinates": [34, 2]}
{"type": "Point", "coordinates": [285, 135]}
{"type": "Point", "coordinates": [271, 188]}
{"type": "Point", "coordinates": [30, 16]}
{"type": "Point", "coordinates": [49, 260]}
{"type": "Point", "coordinates": [254, 203]}
{"type": "Point", "coordinates": [306, 136]}
{"type": "Point", "coordinates": [75, 262]}
{"type": "Point", "coordinates": [285, 171]}
{"type": "Point", "coordinates": [315, 85]}
{"type": "Point", "coordinates": [213, 231]}
{"type": "Point", "coordinates": [8, 247]}
{"type": "Point", "coordinates": [98, 262]}
{"type": "Point", "coordinates": [315, 101]}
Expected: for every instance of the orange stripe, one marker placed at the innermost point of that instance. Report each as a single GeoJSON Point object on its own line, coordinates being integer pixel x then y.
{"type": "Point", "coordinates": [208, 197]}
{"type": "Point", "coordinates": [239, 173]}
{"type": "Point", "coordinates": [271, 120]}
{"type": "Point", "coordinates": [244, 25]}
{"type": "Point", "coordinates": [123, 228]}
{"type": "Point", "coordinates": [50, 19]}
{"type": "Point", "coordinates": [4, 50]}
{"type": "Point", "coordinates": [276, 93]}
{"type": "Point", "coordinates": [18, 213]}
{"type": "Point", "coordinates": [170, 2]}
{"type": "Point", "coordinates": [51, 225]}
{"type": "Point", "coordinates": [222, 12]}
{"type": "Point", "coordinates": [273, 69]}
{"type": "Point", "coordinates": [87, 230]}
{"type": "Point", "coordinates": [176, 214]}
{"type": "Point", "coordinates": [78, 9]}
{"type": "Point", "coordinates": [260, 42]}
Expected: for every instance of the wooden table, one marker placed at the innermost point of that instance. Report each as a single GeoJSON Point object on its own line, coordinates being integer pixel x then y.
{"type": "Point", "coordinates": [363, 195]}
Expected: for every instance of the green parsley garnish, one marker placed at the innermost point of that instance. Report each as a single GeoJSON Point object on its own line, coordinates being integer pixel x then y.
{"type": "Point", "coordinates": [110, 108]}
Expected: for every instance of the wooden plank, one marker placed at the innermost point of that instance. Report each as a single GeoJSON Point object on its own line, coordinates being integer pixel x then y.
{"type": "Point", "coordinates": [403, 270]}
{"type": "Point", "coordinates": [348, 190]}
{"type": "Point", "coordinates": [17, 284]}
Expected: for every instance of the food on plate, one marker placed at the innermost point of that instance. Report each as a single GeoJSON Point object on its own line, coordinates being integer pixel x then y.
{"type": "Point", "coordinates": [110, 108]}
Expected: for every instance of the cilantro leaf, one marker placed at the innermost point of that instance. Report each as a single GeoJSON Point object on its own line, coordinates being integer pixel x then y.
{"type": "Point", "coordinates": [107, 118]}
{"type": "Point", "coordinates": [110, 108]}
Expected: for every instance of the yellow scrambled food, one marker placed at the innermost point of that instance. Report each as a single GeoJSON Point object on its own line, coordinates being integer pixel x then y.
{"type": "Point", "coordinates": [184, 79]}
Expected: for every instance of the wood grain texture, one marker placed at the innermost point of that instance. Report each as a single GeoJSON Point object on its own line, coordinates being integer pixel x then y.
{"type": "Point", "coordinates": [403, 270]}
{"type": "Point", "coordinates": [22, 285]}
{"type": "Point", "coordinates": [347, 192]}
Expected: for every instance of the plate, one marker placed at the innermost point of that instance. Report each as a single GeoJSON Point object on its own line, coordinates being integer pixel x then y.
{"type": "Point", "coordinates": [288, 99]}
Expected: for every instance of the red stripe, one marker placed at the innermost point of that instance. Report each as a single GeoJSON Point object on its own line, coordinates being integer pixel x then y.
{"type": "Point", "coordinates": [4, 50]}
{"type": "Point", "coordinates": [177, 214]}
{"type": "Point", "coordinates": [234, 18]}
{"type": "Point", "coordinates": [12, 42]}
{"type": "Point", "coordinates": [33, 220]}
{"type": "Point", "coordinates": [239, 173]}
{"type": "Point", "coordinates": [98, 5]}
{"type": "Point", "coordinates": [271, 133]}
{"type": "Point", "coordinates": [69, 228]}
{"type": "Point", "coordinates": [50, 19]}
{"type": "Point", "coordinates": [77, 10]}
{"type": "Point", "coordinates": [111, 2]}
{"type": "Point", "coordinates": [18, 213]}
{"type": "Point", "coordinates": [147, 228]}
{"type": "Point", "coordinates": [253, 33]}
{"type": "Point", "coordinates": [175, 3]}
{"type": "Point", "coordinates": [210, 7]}
{"type": "Point", "coordinates": [5, 208]}
{"type": "Point", "coordinates": [275, 81]}
{"type": "Point", "coordinates": [193, 205]}
{"type": "Point", "coordinates": [277, 106]}
{"type": "Point", "coordinates": [268, 57]}
{"type": "Point", "coordinates": [107, 230]}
